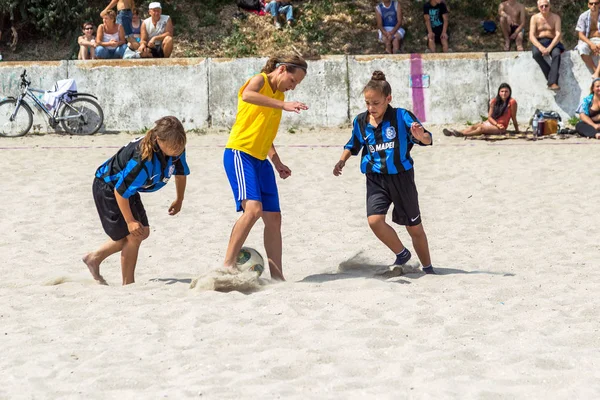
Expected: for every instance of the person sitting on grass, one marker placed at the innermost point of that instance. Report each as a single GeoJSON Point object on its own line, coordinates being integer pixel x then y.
{"type": "Point", "coordinates": [512, 22]}
{"type": "Point", "coordinates": [87, 42]}
{"type": "Point", "coordinates": [110, 39]}
{"type": "Point", "coordinates": [156, 34]}
{"type": "Point", "coordinates": [503, 108]}
{"type": "Point", "coordinates": [436, 21]}
{"type": "Point", "coordinates": [589, 113]}
{"type": "Point", "coordinates": [280, 7]}
{"type": "Point", "coordinates": [389, 18]}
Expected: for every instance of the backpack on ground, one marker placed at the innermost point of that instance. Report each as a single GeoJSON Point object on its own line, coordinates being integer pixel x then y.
{"type": "Point", "coordinates": [249, 5]}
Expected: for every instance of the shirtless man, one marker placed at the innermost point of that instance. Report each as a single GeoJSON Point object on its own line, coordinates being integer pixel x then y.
{"type": "Point", "coordinates": [589, 36]}
{"type": "Point", "coordinates": [544, 35]}
{"type": "Point", "coordinates": [124, 14]}
{"type": "Point", "coordinates": [512, 22]}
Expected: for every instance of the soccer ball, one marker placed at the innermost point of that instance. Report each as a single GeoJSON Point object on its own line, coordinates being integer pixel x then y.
{"type": "Point", "coordinates": [249, 259]}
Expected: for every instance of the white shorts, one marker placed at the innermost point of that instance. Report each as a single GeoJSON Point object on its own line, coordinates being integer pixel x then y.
{"type": "Point", "coordinates": [399, 33]}
{"type": "Point", "coordinates": [583, 48]}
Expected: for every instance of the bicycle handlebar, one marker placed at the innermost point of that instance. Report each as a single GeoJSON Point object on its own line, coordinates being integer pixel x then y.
{"type": "Point", "coordinates": [24, 81]}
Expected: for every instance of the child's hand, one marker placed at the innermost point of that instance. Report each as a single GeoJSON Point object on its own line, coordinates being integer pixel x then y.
{"type": "Point", "coordinates": [418, 132]}
{"type": "Point", "coordinates": [135, 228]}
{"type": "Point", "coordinates": [283, 170]}
{"type": "Point", "coordinates": [175, 207]}
{"type": "Point", "coordinates": [337, 170]}
{"type": "Point", "coordinates": [294, 106]}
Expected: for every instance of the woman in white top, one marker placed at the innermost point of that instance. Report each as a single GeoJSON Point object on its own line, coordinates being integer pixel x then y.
{"type": "Point", "coordinates": [110, 39]}
{"type": "Point", "coordinates": [157, 34]}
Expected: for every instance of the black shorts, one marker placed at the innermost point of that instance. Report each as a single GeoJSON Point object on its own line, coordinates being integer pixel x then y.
{"type": "Point", "coordinates": [437, 31]}
{"type": "Point", "coordinates": [112, 220]}
{"type": "Point", "coordinates": [398, 189]}
{"type": "Point", "coordinates": [157, 52]}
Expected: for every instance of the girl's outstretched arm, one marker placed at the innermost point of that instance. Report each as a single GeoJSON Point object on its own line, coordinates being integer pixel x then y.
{"type": "Point", "coordinates": [133, 225]}
{"type": "Point", "coordinates": [251, 95]}
{"type": "Point", "coordinates": [282, 169]}
{"type": "Point", "coordinates": [337, 170]}
{"type": "Point", "coordinates": [180, 183]}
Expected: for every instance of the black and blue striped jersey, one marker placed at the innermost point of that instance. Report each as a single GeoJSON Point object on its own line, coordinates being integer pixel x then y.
{"type": "Point", "coordinates": [128, 174]}
{"type": "Point", "coordinates": [386, 148]}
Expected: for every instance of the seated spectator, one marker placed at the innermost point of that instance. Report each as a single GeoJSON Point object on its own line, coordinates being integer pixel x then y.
{"type": "Point", "coordinates": [589, 113]}
{"type": "Point", "coordinates": [544, 35]}
{"type": "Point", "coordinates": [280, 7]}
{"type": "Point", "coordinates": [156, 34]}
{"type": "Point", "coordinates": [389, 18]}
{"type": "Point", "coordinates": [502, 109]}
{"type": "Point", "coordinates": [588, 30]}
{"type": "Point", "coordinates": [436, 20]}
{"type": "Point", "coordinates": [110, 39]}
{"type": "Point", "coordinates": [87, 42]}
{"type": "Point", "coordinates": [124, 13]}
{"type": "Point", "coordinates": [133, 41]}
{"type": "Point", "coordinates": [512, 22]}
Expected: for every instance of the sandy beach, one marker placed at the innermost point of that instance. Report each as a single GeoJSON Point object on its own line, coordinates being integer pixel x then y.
{"type": "Point", "coordinates": [513, 228]}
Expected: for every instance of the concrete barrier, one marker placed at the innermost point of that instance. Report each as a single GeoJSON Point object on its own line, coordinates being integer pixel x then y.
{"type": "Point", "coordinates": [451, 94]}
{"type": "Point", "coordinates": [446, 88]}
{"type": "Point", "coordinates": [135, 93]}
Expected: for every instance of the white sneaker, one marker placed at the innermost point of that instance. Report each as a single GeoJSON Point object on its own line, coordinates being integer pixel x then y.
{"type": "Point", "coordinates": [278, 25]}
{"type": "Point", "coordinates": [0, 57]}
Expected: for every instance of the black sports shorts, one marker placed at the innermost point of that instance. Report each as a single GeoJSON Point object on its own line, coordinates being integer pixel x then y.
{"type": "Point", "coordinates": [112, 220]}
{"type": "Point", "coordinates": [398, 189]}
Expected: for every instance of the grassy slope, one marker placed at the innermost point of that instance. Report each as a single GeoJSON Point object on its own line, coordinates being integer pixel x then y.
{"type": "Point", "coordinates": [207, 28]}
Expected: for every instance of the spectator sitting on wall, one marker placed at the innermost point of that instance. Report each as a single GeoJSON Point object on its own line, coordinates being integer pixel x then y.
{"type": "Point", "coordinates": [589, 113]}
{"type": "Point", "coordinates": [133, 41]}
{"type": "Point", "coordinates": [157, 34]}
{"type": "Point", "coordinates": [280, 7]}
{"type": "Point", "coordinates": [389, 18]}
{"type": "Point", "coordinates": [436, 20]}
{"type": "Point", "coordinates": [588, 30]}
{"type": "Point", "coordinates": [110, 39]}
{"type": "Point", "coordinates": [544, 35]}
{"type": "Point", "coordinates": [512, 22]}
{"type": "Point", "coordinates": [124, 13]}
{"type": "Point", "coordinates": [87, 42]}
{"type": "Point", "coordinates": [502, 109]}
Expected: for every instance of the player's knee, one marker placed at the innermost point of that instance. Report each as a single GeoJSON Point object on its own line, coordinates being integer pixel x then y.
{"type": "Point", "coordinates": [168, 40]}
{"type": "Point", "coordinates": [145, 233]}
{"type": "Point", "coordinates": [376, 221]}
{"type": "Point", "coordinates": [416, 232]}
{"type": "Point", "coordinates": [254, 213]}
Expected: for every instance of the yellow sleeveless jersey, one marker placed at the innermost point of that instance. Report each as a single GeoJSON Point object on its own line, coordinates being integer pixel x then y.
{"type": "Point", "coordinates": [255, 126]}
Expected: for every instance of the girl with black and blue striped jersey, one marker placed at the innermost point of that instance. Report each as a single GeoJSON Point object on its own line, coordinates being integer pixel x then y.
{"type": "Point", "coordinates": [386, 135]}
{"type": "Point", "coordinates": [143, 165]}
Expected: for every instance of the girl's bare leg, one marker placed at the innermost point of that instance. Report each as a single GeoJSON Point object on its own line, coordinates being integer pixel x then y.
{"type": "Point", "coordinates": [273, 243]}
{"type": "Point", "coordinates": [129, 255]}
{"type": "Point", "coordinates": [95, 258]}
{"type": "Point", "coordinates": [385, 233]}
{"type": "Point", "coordinates": [241, 229]}
{"type": "Point", "coordinates": [420, 244]}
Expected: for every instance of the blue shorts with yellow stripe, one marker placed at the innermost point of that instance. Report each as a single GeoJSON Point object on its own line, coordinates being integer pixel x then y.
{"type": "Point", "coordinates": [251, 179]}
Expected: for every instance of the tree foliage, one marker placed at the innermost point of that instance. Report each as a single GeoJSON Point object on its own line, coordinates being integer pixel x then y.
{"type": "Point", "coordinates": [49, 17]}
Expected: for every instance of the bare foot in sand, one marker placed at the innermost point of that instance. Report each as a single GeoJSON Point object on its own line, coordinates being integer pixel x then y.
{"type": "Point", "coordinates": [94, 268]}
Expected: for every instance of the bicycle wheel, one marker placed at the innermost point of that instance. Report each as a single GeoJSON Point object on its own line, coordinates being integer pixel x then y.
{"type": "Point", "coordinates": [22, 122]}
{"type": "Point", "coordinates": [82, 116]}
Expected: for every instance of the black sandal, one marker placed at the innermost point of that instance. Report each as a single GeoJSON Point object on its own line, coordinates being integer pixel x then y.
{"type": "Point", "coordinates": [447, 132]}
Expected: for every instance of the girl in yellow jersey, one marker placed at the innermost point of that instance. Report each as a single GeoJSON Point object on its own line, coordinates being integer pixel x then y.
{"type": "Point", "coordinates": [251, 175]}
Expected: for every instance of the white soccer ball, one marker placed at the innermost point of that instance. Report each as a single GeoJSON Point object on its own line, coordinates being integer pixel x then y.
{"type": "Point", "coordinates": [249, 259]}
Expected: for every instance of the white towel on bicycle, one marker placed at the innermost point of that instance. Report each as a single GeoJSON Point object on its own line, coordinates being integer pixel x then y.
{"type": "Point", "coordinates": [61, 88]}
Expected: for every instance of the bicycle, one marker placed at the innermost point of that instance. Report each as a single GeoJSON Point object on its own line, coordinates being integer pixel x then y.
{"type": "Point", "coordinates": [76, 112]}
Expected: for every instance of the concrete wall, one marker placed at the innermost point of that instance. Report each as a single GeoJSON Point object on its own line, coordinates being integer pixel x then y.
{"type": "Point", "coordinates": [203, 92]}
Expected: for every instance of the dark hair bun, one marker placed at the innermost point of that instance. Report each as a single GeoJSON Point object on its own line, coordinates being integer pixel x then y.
{"type": "Point", "coordinates": [378, 76]}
